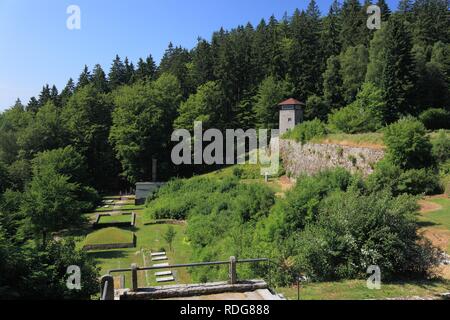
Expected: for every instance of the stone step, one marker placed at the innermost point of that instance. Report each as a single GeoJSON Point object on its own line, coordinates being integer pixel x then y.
{"type": "Point", "coordinates": [165, 279]}
{"type": "Point", "coordinates": [159, 258]}
{"type": "Point", "coordinates": [161, 265]}
{"type": "Point", "coordinates": [155, 254]}
{"type": "Point", "coordinates": [163, 273]}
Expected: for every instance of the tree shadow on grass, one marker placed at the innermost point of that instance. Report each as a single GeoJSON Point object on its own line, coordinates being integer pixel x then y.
{"type": "Point", "coordinates": [424, 224]}
{"type": "Point", "coordinates": [110, 254]}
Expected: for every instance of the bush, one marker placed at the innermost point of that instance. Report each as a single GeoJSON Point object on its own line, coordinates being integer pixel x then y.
{"type": "Point", "coordinates": [435, 119]}
{"type": "Point", "coordinates": [363, 115]}
{"type": "Point", "coordinates": [408, 145]}
{"type": "Point", "coordinates": [388, 176]}
{"type": "Point", "coordinates": [355, 231]}
{"type": "Point", "coordinates": [306, 131]}
{"type": "Point", "coordinates": [441, 147]}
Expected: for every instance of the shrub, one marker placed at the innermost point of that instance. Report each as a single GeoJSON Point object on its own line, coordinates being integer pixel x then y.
{"type": "Point", "coordinates": [388, 176]}
{"type": "Point", "coordinates": [363, 115]}
{"type": "Point", "coordinates": [355, 231]}
{"type": "Point", "coordinates": [407, 143]}
{"type": "Point", "coordinates": [435, 119]}
{"type": "Point", "coordinates": [307, 131]}
{"type": "Point", "coordinates": [441, 147]}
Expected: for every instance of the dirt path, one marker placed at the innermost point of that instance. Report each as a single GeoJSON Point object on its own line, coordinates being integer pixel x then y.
{"type": "Point", "coordinates": [439, 237]}
{"type": "Point", "coordinates": [427, 206]}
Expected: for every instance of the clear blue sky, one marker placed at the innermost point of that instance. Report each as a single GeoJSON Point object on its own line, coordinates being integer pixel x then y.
{"type": "Point", "coordinates": [37, 48]}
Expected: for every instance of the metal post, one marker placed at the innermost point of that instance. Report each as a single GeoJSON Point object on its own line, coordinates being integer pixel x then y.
{"type": "Point", "coordinates": [232, 271]}
{"type": "Point", "coordinates": [134, 277]}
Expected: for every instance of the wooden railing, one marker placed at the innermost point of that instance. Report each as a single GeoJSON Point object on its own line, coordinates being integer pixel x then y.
{"type": "Point", "coordinates": [107, 281]}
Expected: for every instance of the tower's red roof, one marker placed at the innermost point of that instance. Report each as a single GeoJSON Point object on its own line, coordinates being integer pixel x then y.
{"type": "Point", "coordinates": [290, 102]}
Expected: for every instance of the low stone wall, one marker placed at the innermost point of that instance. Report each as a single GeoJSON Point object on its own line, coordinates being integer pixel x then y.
{"type": "Point", "coordinates": [311, 158]}
{"type": "Point", "coordinates": [109, 246]}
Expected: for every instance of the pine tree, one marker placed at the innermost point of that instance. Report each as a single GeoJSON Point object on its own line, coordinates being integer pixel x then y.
{"type": "Point", "coordinates": [45, 95]}
{"type": "Point", "coordinates": [129, 71]}
{"type": "Point", "coordinates": [67, 92]}
{"type": "Point", "coordinates": [175, 61]}
{"type": "Point", "coordinates": [202, 60]}
{"type": "Point", "coordinates": [304, 59]}
{"type": "Point", "coordinates": [99, 80]}
{"type": "Point", "coordinates": [54, 96]}
{"type": "Point", "coordinates": [431, 21]}
{"type": "Point", "coordinates": [330, 41]}
{"type": "Point", "coordinates": [84, 78]}
{"type": "Point", "coordinates": [332, 84]}
{"type": "Point", "coordinates": [33, 105]}
{"type": "Point", "coordinates": [384, 9]}
{"type": "Point", "coordinates": [354, 29]}
{"type": "Point", "coordinates": [398, 70]}
{"type": "Point", "coordinates": [118, 73]}
{"type": "Point", "coordinates": [145, 70]}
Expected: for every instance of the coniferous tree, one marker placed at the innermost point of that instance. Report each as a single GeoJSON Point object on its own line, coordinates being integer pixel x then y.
{"type": "Point", "coordinates": [202, 63]}
{"type": "Point", "coordinates": [54, 96]}
{"type": "Point", "coordinates": [99, 80]}
{"type": "Point", "coordinates": [175, 61]}
{"type": "Point", "coordinates": [67, 92]}
{"type": "Point", "coordinates": [303, 59]}
{"type": "Point", "coordinates": [330, 41]}
{"type": "Point", "coordinates": [129, 70]}
{"type": "Point", "coordinates": [384, 9]}
{"type": "Point", "coordinates": [33, 105]}
{"type": "Point", "coordinates": [118, 74]}
{"type": "Point", "coordinates": [397, 81]}
{"type": "Point", "coordinates": [332, 84]}
{"type": "Point", "coordinates": [145, 70]}
{"type": "Point", "coordinates": [431, 21]}
{"type": "Point", "coordinates": [354, 29]}
{"type": "Point", "coordinates": [84, 79]}
{"type": "Point", "coordinates": [45, 95]}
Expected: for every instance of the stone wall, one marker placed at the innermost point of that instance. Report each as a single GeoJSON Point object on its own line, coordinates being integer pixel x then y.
{"type": "Point", "coordinates": [311, 158]}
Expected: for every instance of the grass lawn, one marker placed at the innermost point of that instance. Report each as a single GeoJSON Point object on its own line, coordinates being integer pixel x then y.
{"type": "Point", "coordinates": [437, 220]}
{"type": "Point", "coordinates": [357, 290]}
{"type": "Point", "coordinates": [440, 218]}
{"type": "Point", "coordinates": [116, 218]}
{"type": "Point", "coordinates": [149, 238]}
{"type": "Point", "coordinates": [109, 235]}
{"type": "Point", "coordinates": [371, 139]}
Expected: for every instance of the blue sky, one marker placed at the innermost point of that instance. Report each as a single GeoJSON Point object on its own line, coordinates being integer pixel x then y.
{"type": "Point", "coordinates": [37, 48]}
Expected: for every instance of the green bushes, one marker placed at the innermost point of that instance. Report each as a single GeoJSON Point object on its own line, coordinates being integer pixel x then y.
{"type": "Point", "coordinates": [407, 143]}
{"type": "Point", "coordinates": [332, 226]}
{"type": "Point", "coordinates": [388, 176]}
{"type": "Point", "coordinates": [354, 231]}
{"type": "Point", "coordinates": [363, 115]}
{"type": "Point", "coordinates": [306, 131]}
{"type": "Point", "coordinates": [441, 147]}
{"type": "Point", "coordinates": [435, 119]}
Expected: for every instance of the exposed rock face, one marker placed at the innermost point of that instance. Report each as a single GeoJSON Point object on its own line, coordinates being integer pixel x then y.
{"type": "Point", "coordinates": [311, 158]}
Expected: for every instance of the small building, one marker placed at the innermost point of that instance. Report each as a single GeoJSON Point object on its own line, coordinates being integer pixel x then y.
{"type": "Point", "coordinates": [291, 114]}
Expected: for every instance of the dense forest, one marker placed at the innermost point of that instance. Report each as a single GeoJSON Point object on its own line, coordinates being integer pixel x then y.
{"type": "Point", "coordinates": [63, 148]}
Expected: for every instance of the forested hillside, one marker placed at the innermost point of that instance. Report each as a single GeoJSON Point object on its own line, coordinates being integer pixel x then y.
{"type": "Point", "coordinates": [119, 119]}
{"type": "Point", "coordinates": [99, 134]}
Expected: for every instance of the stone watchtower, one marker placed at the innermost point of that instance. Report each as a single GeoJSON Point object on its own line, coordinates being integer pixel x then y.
{"type": "Point", "coordinates": [291, 114]}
